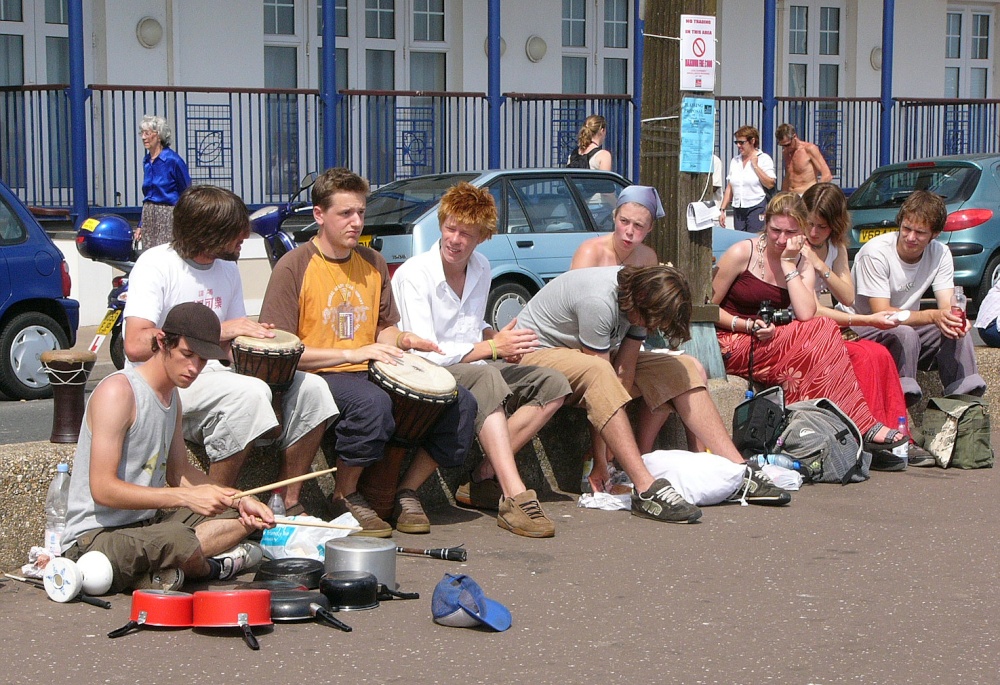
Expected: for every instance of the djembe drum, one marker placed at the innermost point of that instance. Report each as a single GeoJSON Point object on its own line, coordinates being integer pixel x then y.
{"type": "Point", "coordinates": [420, 391]}
{"type": "Point", "coordinates": [272, 360]}
{"type": "Point", "coordinates": [68, 371]}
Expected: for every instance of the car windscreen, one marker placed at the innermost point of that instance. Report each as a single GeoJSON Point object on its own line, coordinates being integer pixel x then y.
{"type": "Point", "coordinates": [403, 202]}
{"type": "Point", "coordinates": [891, 187]}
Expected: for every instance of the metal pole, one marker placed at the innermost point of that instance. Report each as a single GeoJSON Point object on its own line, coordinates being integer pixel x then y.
{"type": "Point", "coordinates": [328, 89]}
{"type": "Point", "coordinates": [639, 40]}
{"type": "Point", "coordinates": [885, 126]}
{"type": "Point", "coordinates": [78, 95]}
{"type": "Point", "coordinates": [770, 102]}
{"type": "Point", "coordinates": [493, 97]}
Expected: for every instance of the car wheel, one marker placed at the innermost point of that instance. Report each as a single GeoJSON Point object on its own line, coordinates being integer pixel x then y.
{"type": "Point", "coordinates": [117, 348]}
{"type": "Point", "coordinates": [506, 300]}
{"type": "Point", "coordinates": [991, 274]}
{"type": "Point", "coordinates": [22, 343]}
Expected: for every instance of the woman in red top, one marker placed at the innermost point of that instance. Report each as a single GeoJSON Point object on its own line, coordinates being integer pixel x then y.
{"type": "Point", "coordinates": [806, 357]}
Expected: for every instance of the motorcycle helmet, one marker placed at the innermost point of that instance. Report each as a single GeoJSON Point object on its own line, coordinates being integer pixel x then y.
{"type": "Point", "coordinates": [105, 237]}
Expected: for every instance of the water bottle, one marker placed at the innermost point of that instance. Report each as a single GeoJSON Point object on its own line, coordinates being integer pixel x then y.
{"type": "Point", "coordinates": [959, 303]}
{"type": "Point", "coordinates": [277, 503]}
{"type": "Point", "coordinates": [902, 451]}
{"type": "Point", "coordinates": [56, 505]}
{"type": "Point", "coordinates": [782, 460]}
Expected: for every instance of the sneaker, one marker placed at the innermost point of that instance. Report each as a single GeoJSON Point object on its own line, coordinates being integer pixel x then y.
{"type": "Point", "coordinates": [918, 456]}
{"type": "Point", "coordinates": [486, 494]}
{"type": "Point", "coordinates": [523, 515]}
{"type": "Point", "coordinates": [758, 488]}
{"type": "Point", "coordinates": [355, 504]}
{"type": "Point", "coordinates": [166, 579]}
{"type": "Point", "coordinates": [885, 460]}
{"type": "Point", "coordinates": [242, 558]}
{"type": "Point", "coordinates": [409, 514]}
{"type": "Point", "coordinates": [662, 503]}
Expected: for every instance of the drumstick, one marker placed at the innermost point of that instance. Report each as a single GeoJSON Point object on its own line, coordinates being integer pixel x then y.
{"type": "Point", "coordinates": [281, 520]}
{"type": "Point", "coordinates": [281, 483]}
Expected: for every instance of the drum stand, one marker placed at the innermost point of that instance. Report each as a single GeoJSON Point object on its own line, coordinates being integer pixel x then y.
{"type": "Point", "coordinates": [68, 372]}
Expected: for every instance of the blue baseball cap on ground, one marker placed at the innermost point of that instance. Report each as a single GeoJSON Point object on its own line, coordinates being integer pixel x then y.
{"type": "Point", "coordinates": [460, 602]}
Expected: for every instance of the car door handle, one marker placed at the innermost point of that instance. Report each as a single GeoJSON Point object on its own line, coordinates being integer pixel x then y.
{"type": "Point", "coordinates": [525, 243]}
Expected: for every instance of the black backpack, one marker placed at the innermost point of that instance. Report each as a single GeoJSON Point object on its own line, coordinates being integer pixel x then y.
{"type": "Point", "coordinates": [578, 161]}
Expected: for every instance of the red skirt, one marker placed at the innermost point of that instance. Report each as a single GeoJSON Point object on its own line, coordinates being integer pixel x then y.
{"type": "Point", "coordinates": [879, 380]}
{"type": "Point", "coordinates": [809, 360]}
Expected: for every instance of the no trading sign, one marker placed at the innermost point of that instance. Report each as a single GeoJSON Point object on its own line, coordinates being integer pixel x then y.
{"type": "Point", "coordinates": [697, 52]}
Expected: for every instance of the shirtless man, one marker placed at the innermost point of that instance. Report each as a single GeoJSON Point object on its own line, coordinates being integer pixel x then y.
{"type": "Point", "coordinates": [801, 161]}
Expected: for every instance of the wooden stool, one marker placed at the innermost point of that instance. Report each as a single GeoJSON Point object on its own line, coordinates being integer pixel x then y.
{"type": "Point", "coordinates": [68, 372]}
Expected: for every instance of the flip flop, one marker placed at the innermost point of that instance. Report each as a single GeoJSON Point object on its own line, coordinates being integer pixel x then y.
{"type": "Point", "coordinates": [296, 510]}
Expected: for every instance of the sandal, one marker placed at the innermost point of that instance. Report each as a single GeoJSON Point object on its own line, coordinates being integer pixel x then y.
{"type": "Point", "coordinates": [893, 439]}
{"type": "Point", "coordinates": [296, 510]}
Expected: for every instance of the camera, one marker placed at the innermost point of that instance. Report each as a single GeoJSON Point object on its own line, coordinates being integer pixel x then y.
{"type": "Point", "coordinates": [769, 314]}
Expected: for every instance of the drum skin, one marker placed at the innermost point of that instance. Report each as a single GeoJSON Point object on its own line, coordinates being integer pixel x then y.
{"type": "Point", "coordinates": [420, 391]}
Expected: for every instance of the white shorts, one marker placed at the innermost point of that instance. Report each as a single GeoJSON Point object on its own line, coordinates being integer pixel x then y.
{"type": "Point", "coordinates": [225, 411]}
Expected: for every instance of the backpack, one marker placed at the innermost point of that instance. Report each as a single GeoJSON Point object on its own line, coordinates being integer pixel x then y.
{"type": "Point", "coordinates": [578, 161]}
{"type": "Point", "coordinates": [956, 431]}
{"type": "Point", "coordinates": [815, 433]}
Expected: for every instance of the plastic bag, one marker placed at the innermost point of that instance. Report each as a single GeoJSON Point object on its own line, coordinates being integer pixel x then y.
{"type": "Point", "coordinates": [701, 478]}
{"type": "Point", "coordinates": [309, 542]}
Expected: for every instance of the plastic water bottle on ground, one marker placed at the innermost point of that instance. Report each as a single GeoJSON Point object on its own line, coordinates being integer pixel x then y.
{"type": "Point", "coordinates": [902, 451]}
{"type": "Point", "coordinates": [56, 506]}
{"type": "Point", "coordinates": [782, 460]}
{"type": "Point", "coordinates": [277, 503]}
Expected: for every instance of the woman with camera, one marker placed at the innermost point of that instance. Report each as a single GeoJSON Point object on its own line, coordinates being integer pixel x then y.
{"type": "Point", "coordinates": [806, 356]}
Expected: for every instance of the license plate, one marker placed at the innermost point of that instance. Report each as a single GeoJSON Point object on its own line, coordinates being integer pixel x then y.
{"type": "Point", "coordinates": [365, 240]}
{"type": "Point", "coordinates": [108, 322]}
{"type": "Point", "coordinates": [869, 233]}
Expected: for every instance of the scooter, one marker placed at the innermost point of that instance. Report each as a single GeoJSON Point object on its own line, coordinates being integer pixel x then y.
{"type": "Point", "coordinates": [267, 222]}
{"type": "Point", "coordinates": [108, 239]}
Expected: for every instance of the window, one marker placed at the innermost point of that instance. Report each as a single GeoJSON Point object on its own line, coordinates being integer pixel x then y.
{"type": "Point", "coordinates": [615, 23]}
{"type": "Point", "coordinates": [339, 18]}
{"type": "Point", "coordinates": [574, 23]}
{"type": "Point", "coordinates": [574, 75]}
{"type": "Point", "coordinates": [380, 69]}
{"type": "Point", "coordinates": [10, 10]}
{"type": "Point", "coordinates": [615, 76]}
{"type": "Point", "coordinates": [428, 20]}
{"type": "Point", "coordinates": [57, 59]}
{"type": "Point", "coordinates": [813, 60]}
{"type": "Point", "coordinates": [427, 71]}
{"type": "Point", "coordinates": [11, 60]}
{"type": "Point", "coordinates": [829, 31]}
{"type": "Point", "coordinates": [798, 30]}
{"type": "Point", "coordinates": [56, 12]}
{"type": "Point", "coordinates": [279, 17]}
{"type": "Point", "coordinates": [380, 19]}
{"type": "Point", "coordinates": [968, 52]}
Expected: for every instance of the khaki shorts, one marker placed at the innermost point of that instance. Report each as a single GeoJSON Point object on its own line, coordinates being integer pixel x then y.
{"type": "Point", "coordinates": [658, 379]}
{"type": "Point", "coordinates": [167, 540]}
{"type": "Point", "coordinates": [511, 385]}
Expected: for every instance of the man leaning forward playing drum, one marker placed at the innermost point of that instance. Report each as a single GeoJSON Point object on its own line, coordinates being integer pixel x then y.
{"type": "Point", "coordinates": [442, 296]}
{"type": "Point", "coordinates": [335, 295]}
{"type": "Point", "coordinates": [223, 410]}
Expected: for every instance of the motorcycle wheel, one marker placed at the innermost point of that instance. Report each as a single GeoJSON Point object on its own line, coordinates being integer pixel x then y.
{"type": "Point", "coordinates": [117, 348]}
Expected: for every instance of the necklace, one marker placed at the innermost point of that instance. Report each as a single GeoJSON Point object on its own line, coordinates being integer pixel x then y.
{"type": "Point", "coordinates": [620, 260]}
{"type": "Point", "coordinates": [761, 244]}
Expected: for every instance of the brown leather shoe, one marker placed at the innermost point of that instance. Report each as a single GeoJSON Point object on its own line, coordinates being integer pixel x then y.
{"type": "Point", "coordinates": [371, 525]}
{"type": "Point", "coordinates": [409, 514]}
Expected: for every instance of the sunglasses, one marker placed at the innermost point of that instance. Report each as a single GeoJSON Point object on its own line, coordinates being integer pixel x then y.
{"type": "Point", "coordinates": [738, 142]}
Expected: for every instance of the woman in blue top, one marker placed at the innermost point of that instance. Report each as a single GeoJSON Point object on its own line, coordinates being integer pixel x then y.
{"type": "Point", "coordinates": [165, 176]}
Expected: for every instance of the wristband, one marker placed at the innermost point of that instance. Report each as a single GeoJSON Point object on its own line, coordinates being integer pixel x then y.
{"type": "Point", "coordinates": [791, 274]}
{"type": "Point", "coordinates": [493, 349]}
{"type": "Point", "coordinates": [749, 325]}
{"type": "Point", "coordinates": [732, 324]}
{"type": "Point", "coordinates": [399, 340]}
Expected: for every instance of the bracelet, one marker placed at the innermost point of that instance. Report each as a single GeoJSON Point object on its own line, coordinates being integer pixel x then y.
{"type": "Point", "coordinates": [826, 275]}
{"type": "Point", "coordinates": [850, 320]}
{"type": "Point", "coordinates": [789, 259]}
{"type": "Point", "coordinates": [791, 274]}
{"type": "Point", "coordinates": [749, 325]}
{"type": "Point", "coordinates": [399, 340]}
{"type": "Point", "coordinates": [732, 325]}
{"type": "Point", "coordinates": [493, 349]}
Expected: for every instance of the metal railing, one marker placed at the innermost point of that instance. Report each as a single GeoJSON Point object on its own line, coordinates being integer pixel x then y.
{"type": "Point", "coordinates": [260, 142]}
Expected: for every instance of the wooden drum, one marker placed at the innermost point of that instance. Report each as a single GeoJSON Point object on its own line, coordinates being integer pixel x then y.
{"type": "Point", "coordinates": [420, 391]}
{"type": "Point", "coordinates": [68, 372]}
{"type": "Point", "coordinates": [272, 360]}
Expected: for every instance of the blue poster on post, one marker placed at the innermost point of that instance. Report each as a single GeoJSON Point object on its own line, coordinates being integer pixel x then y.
{"type": "Point", "coordinates": [697, 135]}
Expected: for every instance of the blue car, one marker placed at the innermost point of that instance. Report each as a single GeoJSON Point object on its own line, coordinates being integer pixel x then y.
{"type": "Point", "coordinates": [970, 187]}
{"type": "Point", "coordinates": [36, 313]}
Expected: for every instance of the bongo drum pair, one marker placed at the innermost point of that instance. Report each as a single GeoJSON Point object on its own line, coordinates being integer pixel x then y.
{"type": "Point", "coordinates": [420, 392]}
{"type": "Point", "coordinates": [272, 360]}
